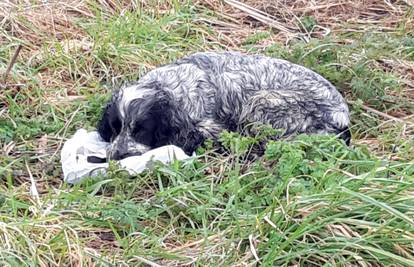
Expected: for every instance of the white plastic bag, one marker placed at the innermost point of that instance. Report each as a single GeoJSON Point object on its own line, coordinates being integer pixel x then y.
{"type": "Point", "coordinates": [76, 150]}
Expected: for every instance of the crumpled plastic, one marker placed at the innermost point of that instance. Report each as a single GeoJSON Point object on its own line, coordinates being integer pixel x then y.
{"type": "Point", "coordinates": [77, 152]}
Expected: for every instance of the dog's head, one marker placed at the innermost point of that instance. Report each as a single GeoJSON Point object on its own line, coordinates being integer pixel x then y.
{"type": "Point", "coordinates": [136, 120]}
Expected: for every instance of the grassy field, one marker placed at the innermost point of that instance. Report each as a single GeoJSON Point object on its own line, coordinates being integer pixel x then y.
{"type": "Point", "coordinates": [309, 202]}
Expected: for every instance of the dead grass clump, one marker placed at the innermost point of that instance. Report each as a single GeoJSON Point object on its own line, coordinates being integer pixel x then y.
{"type": "Point", "coordinates": [300, 18]}
{"type": "Point", "coordinates": [229, 34]}
{"type": "Point", "coordinates": [239, 20]}
{"type": "Point", "coordinates": [35, 24]}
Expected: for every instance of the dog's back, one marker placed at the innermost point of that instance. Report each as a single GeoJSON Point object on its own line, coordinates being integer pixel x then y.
{"type": "Point", "coordinates": [254, 88]}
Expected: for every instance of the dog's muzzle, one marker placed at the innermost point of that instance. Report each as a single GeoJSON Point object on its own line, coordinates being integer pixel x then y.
{"type": "Point", "coordinates": [124, 147]}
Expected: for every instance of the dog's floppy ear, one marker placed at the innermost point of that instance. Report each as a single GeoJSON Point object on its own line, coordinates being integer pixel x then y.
{"type": "Point", "coordinates": [173, 125]}
{"type": "Point", "coordinates": [110, 124]}
{"type": "Point", "coordinates": [162, 113]}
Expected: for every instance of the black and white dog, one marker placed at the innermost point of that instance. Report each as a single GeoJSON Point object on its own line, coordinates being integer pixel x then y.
{"type": "Point", "coordinates": [199, 96]}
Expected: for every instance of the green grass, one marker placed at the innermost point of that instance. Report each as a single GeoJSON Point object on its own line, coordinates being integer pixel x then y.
{"type": "Point", "coordinates": [308, 202]}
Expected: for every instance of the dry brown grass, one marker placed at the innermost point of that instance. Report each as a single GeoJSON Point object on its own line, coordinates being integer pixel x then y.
{"type": "Point", "coordinates": [331, 16]}
{"type": "Point", "coordinates": [37, 25]}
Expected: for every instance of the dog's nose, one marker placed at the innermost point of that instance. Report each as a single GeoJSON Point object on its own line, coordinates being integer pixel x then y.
{"type": "Point", "coordinates": [123, 147]}
{"type": "Point", "coordinates": [115, 155]}
{"type": "Point", "coordinates": [117, 150]}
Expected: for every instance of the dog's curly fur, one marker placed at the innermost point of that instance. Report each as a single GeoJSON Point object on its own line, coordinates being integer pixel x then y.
{"type": "Point", "coordinates": [201, 95]}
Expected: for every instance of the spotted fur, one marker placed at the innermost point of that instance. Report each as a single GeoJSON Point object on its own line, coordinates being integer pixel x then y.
{"type": "Point", "coordinates": [199, 96]}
